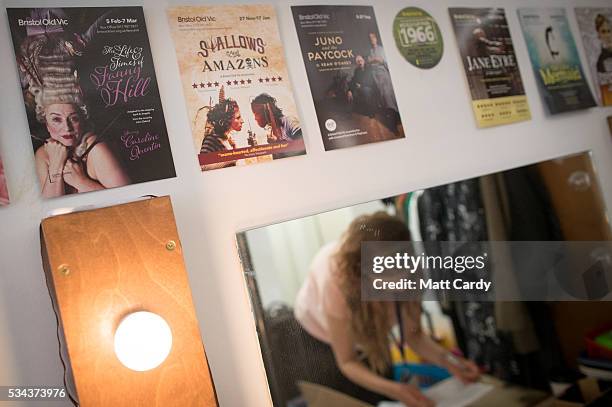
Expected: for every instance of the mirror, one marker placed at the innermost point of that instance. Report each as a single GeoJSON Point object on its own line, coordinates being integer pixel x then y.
{"type": "Point", "coordinates": [527, 344]}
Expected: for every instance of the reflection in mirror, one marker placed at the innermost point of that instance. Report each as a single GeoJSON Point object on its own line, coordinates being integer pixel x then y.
{"type": "Point", "coordinates": [323, 346]}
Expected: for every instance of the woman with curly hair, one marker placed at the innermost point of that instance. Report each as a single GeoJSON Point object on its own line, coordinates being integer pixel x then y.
{"type": "Point", "coordinates": [269, 116]}
{"type": "Point", "coordinates": [73, 159]}
{"type": "Point", "coordinates": [330, 308]}
{"type": "Point", "coordinates": [223, 119]}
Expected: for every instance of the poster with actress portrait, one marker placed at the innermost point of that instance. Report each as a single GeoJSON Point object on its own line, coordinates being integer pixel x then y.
{"type": "Point", "coordinates": [236, 86]}
{"type": "Point", "coordinates": [596, 27]}
{"type": "Point", "coordinates": [4, 197]}
{"type": "Point", "coordinates": [490, 65]}
{"type": "Point", "coordinates": [348, 73]}
{"type": "Point", "coordinates": [91, 97]}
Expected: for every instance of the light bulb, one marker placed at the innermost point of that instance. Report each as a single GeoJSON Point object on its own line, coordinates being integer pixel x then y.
{"type": "Point", "coordinates": [142, 341]}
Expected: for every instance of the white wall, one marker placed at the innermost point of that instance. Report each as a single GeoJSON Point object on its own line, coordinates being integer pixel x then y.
{"type": "Point", "coordinates": [442, 145]}
{"type": "Point", "coordinates": [281, 254]}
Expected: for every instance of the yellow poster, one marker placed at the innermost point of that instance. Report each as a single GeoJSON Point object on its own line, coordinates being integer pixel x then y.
{"type": "Point", "coordinates": [491, 68]}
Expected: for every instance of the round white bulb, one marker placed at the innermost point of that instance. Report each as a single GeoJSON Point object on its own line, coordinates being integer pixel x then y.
{"type": "Point", "coordinates": [142, 341]}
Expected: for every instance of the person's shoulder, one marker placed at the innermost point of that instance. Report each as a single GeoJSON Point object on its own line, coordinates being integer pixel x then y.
{"type": "Point", "coordinates": [211, 142]}
{"type": "Point", "coordinates": [89, 142]}
{"type": "Point", "coordinates": [93, 144]}
{"type": "Point", "coordinates": [98, 150]}
{"type": "Point", "coordinates": [293, 121]}
{"type": "Point", "coordinates": [211, 138]}
{"type": "Point", "coordinates": [322, 261]}
{"type": "Point", "coordinates": [208, 144]}
{"type": "Point", "coordinates": [91, 139]}
{"type": "Point", "coordinates": [41, 153]}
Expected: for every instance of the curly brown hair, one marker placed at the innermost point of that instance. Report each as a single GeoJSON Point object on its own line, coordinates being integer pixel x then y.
{"type": "Point", "coordinates": [371, 321]}
{"type": "Point", "coordinates": [262, 102]}
{"type": "Point", "coordinates": [221, 116]}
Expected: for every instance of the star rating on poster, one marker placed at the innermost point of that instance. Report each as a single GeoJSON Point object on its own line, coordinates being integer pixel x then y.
{"type": "Point", "coordinates": [235, 82]}
{"type": "Point", "coordinates": [202, 85]}
{"type": "Point", "coordinates": [270, 79]}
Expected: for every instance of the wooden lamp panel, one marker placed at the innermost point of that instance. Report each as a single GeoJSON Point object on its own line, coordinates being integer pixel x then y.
{"type": "Point", "coordinates": [104, 264]}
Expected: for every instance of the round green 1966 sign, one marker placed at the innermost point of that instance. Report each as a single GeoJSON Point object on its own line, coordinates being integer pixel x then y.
{"type": "Point", "coordinates": [418, 37]}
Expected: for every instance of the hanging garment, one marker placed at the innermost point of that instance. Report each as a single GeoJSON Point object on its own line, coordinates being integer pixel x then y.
{"type": "Point", "coordinates": [511, 316]}
{"type": "Point", "coordinates": [455, 212]}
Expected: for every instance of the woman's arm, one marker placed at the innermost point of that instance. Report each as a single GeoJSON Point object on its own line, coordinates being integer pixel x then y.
{"type": "Point", "coordinates": [102, 171]}
{"type": "Point", "coordinates": [343, 345]}
{"type": "Point", "coordinates": [376, 56]}
{"type": "Point", "coordinates": [49, 170]}
{"type": "Point", "coordinates": [429, 350]}
{"type": "Point", "coordinates": [104, 168]}
{"type": "Point", "coordinates": [376, 59]}
{"type": "Point", "coordinates": [75, 176]}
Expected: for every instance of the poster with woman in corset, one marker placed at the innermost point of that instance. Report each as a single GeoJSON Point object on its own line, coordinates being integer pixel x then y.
{"type": "Point", "coordinates": [91, 98]}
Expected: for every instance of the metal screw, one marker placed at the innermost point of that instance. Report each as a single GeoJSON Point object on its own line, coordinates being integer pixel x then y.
{"type": "Point", "coordinates": [171, 245]}
{"type": "Point", "coordinates": [64, 269]}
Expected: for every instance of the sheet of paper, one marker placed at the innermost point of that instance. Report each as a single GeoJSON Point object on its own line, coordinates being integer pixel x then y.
{"type": "Point", "coordinates": [450, 393]}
